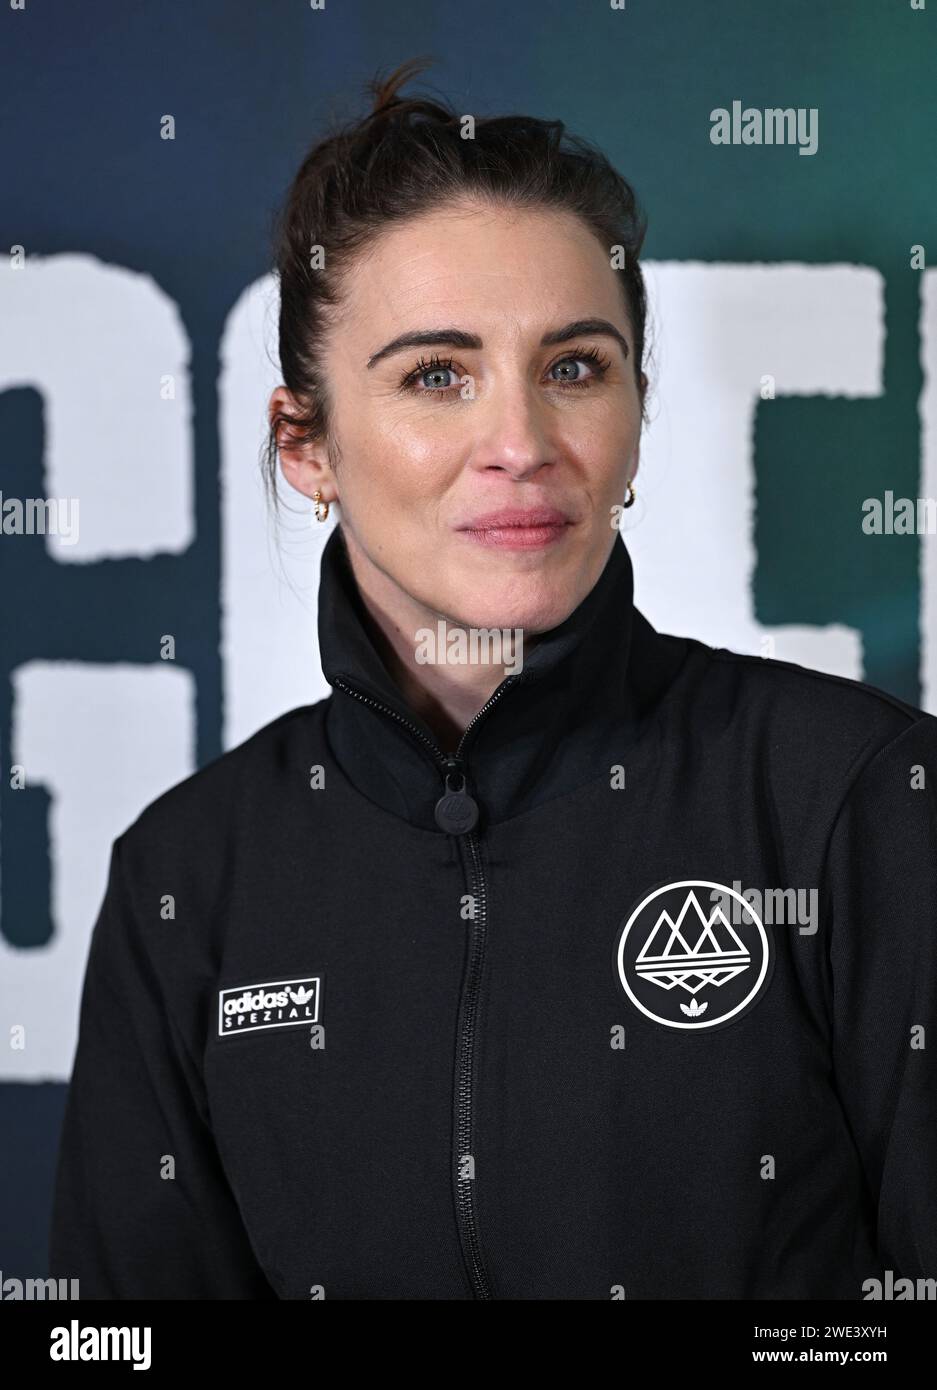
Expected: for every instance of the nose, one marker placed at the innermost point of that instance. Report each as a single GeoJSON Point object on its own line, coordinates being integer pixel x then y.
{"type": "Point", "coordinates": [511, 430]}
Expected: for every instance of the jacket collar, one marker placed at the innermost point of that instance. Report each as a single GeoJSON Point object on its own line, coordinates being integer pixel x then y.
{"type": "Point", "coordinates": [564, 720]}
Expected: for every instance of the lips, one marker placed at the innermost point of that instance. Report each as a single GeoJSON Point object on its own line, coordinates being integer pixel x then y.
{"type": "Point", "coordinates": [518, 528]}
{"type": "Point", "coordinates": [509, 518]}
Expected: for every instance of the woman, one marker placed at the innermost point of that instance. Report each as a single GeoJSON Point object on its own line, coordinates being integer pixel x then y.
{"type": "Point", "coordinates": [463, 982]}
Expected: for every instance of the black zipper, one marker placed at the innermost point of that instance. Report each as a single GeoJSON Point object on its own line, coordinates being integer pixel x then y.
{"type": "Point", "coordinates": [450, 764]}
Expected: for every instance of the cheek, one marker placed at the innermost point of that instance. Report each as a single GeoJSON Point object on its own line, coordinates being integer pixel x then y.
{"type": "Point", "coordinates": [392, 471]}
{"type": "Point", "coordinates": [602, 446]}
{"type": "Point", "coordinates": [604, 422]}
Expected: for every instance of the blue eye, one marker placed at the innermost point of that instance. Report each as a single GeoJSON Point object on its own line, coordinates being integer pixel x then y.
{"type": "Point", "coordinates": [563, 363]}
{"type": "Point", "coordinates": [435, 367]}
{"type": "Point", "coordinates": [436, 371]}
{"type": "Point", "coordinates": [596, 361]}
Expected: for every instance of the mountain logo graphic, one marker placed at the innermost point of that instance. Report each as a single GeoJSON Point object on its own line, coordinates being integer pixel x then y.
{"type": "Point", "coordinates": [683, 964]}
{"type": "Point", "coordinates": [691, 966]}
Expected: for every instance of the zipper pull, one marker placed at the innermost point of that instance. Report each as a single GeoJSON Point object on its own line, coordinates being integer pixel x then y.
{"type": "Point", "coordinates": [456, 811]}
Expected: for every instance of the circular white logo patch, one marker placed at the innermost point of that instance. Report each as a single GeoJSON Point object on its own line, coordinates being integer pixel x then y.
{"type": "Point", "coordinates": [694, 955]}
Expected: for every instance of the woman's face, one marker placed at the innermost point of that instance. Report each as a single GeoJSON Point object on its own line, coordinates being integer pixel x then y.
{"type": "Point", "coordinates": [481, 417]}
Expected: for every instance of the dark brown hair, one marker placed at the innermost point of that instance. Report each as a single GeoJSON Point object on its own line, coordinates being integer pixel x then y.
{"type": "Point", "coordinates": [409, 157]}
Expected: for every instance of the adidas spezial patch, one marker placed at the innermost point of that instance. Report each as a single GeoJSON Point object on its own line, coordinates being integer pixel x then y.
{"type": "Point", "coordinates": [694, 955]}
{"type": "Point", "coordinates": [272, 1004]}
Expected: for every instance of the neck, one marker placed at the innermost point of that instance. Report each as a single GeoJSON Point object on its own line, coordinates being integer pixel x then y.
{"type": "Point", "coordinates": [445, 694]}
{"type": "Point", "coordinates": [579, 704]}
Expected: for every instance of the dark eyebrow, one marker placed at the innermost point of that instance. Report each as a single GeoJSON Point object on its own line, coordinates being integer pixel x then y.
{"type": "Point", "coordinates": [458, 338]}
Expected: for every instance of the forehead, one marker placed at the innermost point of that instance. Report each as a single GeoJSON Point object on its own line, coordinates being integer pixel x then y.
{"type": "Point", "coordinates": [508, 267]}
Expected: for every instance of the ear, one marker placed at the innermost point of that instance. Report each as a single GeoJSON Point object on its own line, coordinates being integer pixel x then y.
{"type": "Point", "coordinates": [635, 460]}
{"type": "Point", "coordinates": [636, 456]}
{"type": "Point", "coordinates": [304, 463]}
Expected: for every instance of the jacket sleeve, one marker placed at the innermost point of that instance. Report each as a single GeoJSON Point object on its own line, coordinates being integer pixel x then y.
{"type": "Point", "coordinates": [141, 1205]}
{"type": "Point", "coordinates": [882, 885]}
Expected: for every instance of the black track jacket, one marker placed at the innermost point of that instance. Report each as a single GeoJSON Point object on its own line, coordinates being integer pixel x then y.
{"type": "Point", "coordinates": [546, 1016]}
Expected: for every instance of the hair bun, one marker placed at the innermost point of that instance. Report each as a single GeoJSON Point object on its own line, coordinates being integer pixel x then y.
{"type": "Point", "coordinates": [385, 90]}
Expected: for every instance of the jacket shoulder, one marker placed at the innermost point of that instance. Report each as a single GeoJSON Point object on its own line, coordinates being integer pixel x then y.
{"type": "Point", "coordinates": [199, 807]}
{"type": "Point", "coordinates": [810, 719]}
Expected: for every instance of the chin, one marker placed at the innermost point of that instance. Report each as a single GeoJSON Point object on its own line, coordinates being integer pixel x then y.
{"type": "Point", "coordinates": [530, 603]}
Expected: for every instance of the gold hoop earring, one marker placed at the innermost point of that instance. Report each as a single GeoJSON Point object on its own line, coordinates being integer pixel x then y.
{"type": "Point", "coordinates": [631, 494]}
{"type": "Point", "coordinates": [322, 508]}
